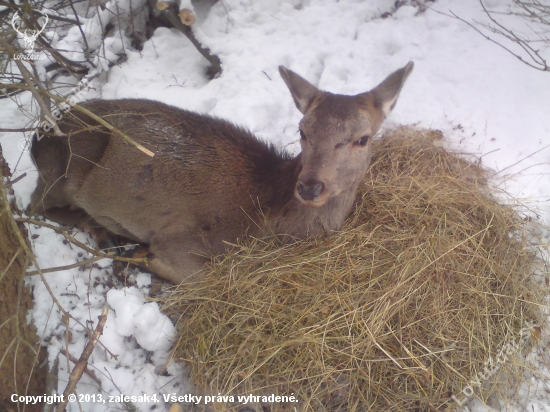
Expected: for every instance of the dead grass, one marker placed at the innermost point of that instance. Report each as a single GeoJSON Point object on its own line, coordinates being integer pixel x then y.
{"type": "Point", "coordinates": [397, 311]}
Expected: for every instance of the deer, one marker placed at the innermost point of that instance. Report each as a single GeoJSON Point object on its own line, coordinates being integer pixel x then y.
{"type": "Point", "coordinates": [209, 182]}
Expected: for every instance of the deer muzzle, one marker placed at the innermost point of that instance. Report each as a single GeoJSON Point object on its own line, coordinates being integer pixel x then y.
{"type": "Point", "coordinates": [310, 192]}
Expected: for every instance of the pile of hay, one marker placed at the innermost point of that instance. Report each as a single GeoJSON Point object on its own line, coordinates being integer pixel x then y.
{"type": "Point", "coordinates": [398, 311]}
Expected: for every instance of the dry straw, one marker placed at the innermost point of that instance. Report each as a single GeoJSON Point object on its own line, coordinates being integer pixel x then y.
{"type": "Point", "coordinates": [397, 311]}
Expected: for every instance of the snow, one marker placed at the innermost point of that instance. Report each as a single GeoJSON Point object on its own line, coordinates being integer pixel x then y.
{"type": "Point", "coordinates": [136, 331]}
{"type": "Point", "coordinates": [482, 98]}
{"type": "Point", "coordinates": [135, 317]}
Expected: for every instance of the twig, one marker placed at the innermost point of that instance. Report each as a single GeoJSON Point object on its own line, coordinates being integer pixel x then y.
{"type": "Point", "coordinates": [25, 246]}
{"type": "Point", "coordinates": [66, 267]}
{"type": "Point", "coordinates": [539, 62]}
{"type": "Point", "coordinates": [523, 43]}
{"type": "Point", "coordinates": [43, 41]}
{"type": "Point", "coordinates": [17, 179]}
{"type": "Point", "coordinates": [80, 28]}
{"type": "Point", "coordinates": [20, 130]}
{"type": "Point", "coordinates": [32, 258]}
{"type": "Point", "coordinates": [65, 62]}
{"type": "Point", "coordinates": [60, 18]}
{"type": "Point", "coordinates": [87, 371]}
{"type": "Point", "coordinates": [81, 245]}
{"type": "Point", "coordinates": [102, 122]}
{"type": "Point", "coordinates": [80, 366]}
{"type": "Point", "coordinates": [28, 80]}
{"type": "Point", "coordinates": [521, 160]}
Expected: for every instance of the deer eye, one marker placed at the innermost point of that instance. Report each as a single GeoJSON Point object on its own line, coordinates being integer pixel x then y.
{"type": "Point", "coordinates": [302, 136]}
{"type": "Point", "coordinates": [362, 141]}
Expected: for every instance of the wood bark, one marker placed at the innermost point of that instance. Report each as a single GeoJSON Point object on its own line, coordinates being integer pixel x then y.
{"type": "Point", "coordinates": [22, 367]}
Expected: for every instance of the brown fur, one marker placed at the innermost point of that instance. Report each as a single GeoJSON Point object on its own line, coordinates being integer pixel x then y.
{"type": "Point", "coordinates": [209, 181]}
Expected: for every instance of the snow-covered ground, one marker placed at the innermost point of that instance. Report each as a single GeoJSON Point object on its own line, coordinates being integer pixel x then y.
{"type": "Point", "coordinates": [483, 99]}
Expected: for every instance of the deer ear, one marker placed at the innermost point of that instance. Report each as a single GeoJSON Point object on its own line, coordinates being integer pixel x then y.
{"type": "Point", "coordinates": [302, 91]}
{"type": "Point", "coordinates": [387, 92]}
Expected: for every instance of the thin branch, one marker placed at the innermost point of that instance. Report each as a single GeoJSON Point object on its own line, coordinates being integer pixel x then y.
{"type": "Point", "coordinates": [539, 62]}
{"type": "Point", "coordinates": [20, 86]}
{"type": "Point", "coordinates": [510, 35]}
{"type": "Point", "coordinates": [80, 28]}
{"type": "Point", "coordinates": [17, 179]}
{"type": "Point", "coordinates": [20, 130]}
{"type": "Point", "coordinates": [67, 63]}
{"type": "Point", "coordinates": [28, 80]}
{"type": "Point", "coordinates": [81, 245]}
{"type": "Point", "coordinates": [33, 259]}
{"type": "Point", "coordinates": [519, 161]}
{"type": "Point", "coordinates": [65, 267]}
{"type": "Point", "coordinates": [496, 42]}
{"type": "Point", "coordinates": [80, 366]}
{"type": "Point", "coordinates": [87, 371]}
{"type": "Point", "coordinates": [61, 18]}
{"type": "Point", "coordinates": [102, 122]}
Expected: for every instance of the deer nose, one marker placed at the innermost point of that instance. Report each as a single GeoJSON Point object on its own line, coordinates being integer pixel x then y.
{"type": "Point", "coordinates": [310, 190]}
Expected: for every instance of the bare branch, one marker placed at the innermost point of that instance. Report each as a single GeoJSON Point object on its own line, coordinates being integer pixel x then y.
{"type": "Point", "coordinates": [80, 366]}
{"type": "Point", "coordinates": [102, 122]}
{"type": "Point", "coordinates": [29, 81]}
{"type": "Point", "coordinates": [540, 62]}
{"type": "Point", "coordinates": [21, 129]}
{"type": "Point", "coordinates": [500, 45]}
{"type": "Point", "coordinates": [33, 259]}
{"type": "Point", "coordinates": [97, 253]}
{"type": "Point", "coordinates": [65, 267]}
{"type": "Point", "coordinates": [87, 371]}
{"type": "Point", "coordinates": [534, 12]}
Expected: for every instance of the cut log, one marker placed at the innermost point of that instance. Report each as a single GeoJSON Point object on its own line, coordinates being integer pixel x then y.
{"type": "Point", "coordinates": [187, 17]}
{"type": "Point", "coordinates": [162, 5]}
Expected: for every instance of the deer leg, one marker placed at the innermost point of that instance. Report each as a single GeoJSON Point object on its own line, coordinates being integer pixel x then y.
{"type": "Point", "coordinates": [178, 257]}
{"type": "Point", "coordinates": [69, 217]}
{"type": "Point", "coordinates": [79, 218]}
{"type": "Point", "coordinates": [46, 198]}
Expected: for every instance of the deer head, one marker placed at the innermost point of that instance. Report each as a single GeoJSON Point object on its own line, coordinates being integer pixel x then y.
{"type": "Point", "coordinates": [336, 133]}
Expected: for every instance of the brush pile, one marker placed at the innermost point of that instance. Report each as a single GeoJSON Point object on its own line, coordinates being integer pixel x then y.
{"type": "Point", "coordinates": [402, 308]}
